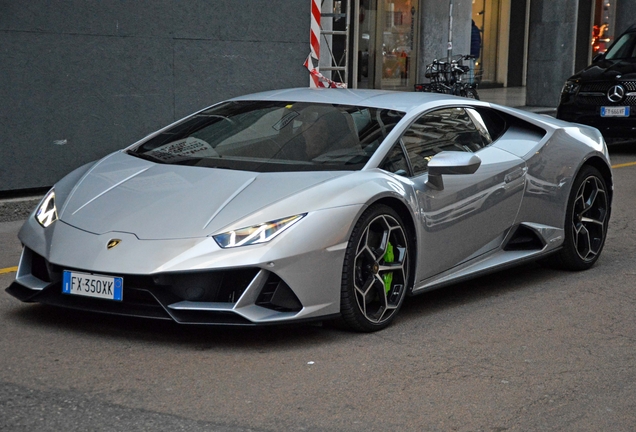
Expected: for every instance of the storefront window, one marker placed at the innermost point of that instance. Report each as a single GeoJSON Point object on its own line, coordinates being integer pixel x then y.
{"type": "Point", "coordinates": [397, 42]}
{"type": "Point", "coordinates": [603, 29]}
{"type": "Point", "coordinates": [485, 17]}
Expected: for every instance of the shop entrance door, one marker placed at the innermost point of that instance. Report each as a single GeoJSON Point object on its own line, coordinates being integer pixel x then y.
{"type": "Point", "coordinates": [384, 44]}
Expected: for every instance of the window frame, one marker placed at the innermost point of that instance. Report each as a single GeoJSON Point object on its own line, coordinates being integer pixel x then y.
{"type": "Point", "coordinates": [400, 141]}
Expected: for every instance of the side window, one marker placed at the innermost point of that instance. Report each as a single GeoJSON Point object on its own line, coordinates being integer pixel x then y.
{"type": "Point", "coordinates": [494, 122]}
{"type": "Point", "coordinates": [448, 129]}
{"type": "Point", "coordinates": [480, 124]}
{"type": "Point", "coordinates": [395, 161]}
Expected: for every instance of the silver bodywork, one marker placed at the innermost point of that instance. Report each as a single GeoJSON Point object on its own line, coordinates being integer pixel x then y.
{"type": "Point", "coordinates": [165, 215]}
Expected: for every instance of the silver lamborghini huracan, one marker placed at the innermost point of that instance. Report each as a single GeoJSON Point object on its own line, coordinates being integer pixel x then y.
{"type": "Point", "coordinates": [305, 204]}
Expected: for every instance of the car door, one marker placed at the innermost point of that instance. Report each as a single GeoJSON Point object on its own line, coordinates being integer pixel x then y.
{"type": "Point", "coordinates": [472, 213]}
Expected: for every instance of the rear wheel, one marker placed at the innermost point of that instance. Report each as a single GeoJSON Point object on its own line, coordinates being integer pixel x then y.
{"type": "Point", "coordinates": [586, 221]}
{"type": "Point", "coordinates": [376, 270]}
{"type": "Point", "coordinates": [470, 93]}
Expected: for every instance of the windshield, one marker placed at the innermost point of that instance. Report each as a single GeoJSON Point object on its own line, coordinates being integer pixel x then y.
{"type": "Point", "coordinates": [273, 136]}
{"type": "Point", "coordinates": [624, 48]}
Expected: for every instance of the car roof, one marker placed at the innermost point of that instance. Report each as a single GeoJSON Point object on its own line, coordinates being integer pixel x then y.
{"type": "Point", "coordinates": [395, 100]}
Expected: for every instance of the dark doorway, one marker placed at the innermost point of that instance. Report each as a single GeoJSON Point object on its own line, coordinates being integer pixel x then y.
{"type": "Point", "coordinates": [517, 44]}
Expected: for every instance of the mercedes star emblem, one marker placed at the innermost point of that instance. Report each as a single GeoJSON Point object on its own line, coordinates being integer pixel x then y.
{"type": "Point", "coordinates": [616, 93]}
{"type": "Point", "coordinates": [112, 243]}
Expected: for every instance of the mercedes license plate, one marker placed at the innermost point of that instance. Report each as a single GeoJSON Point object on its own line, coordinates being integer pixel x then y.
{"type": "Point", "coordinates": [91, 285]}
{"type": "Point", "coordinates": [615, 111]}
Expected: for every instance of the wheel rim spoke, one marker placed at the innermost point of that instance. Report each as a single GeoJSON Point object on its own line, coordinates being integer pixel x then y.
{"type": "Point", "coordinates": [363, 241]}
{"type": "Point", "coordinates": [380, 251]}
{"type": "Point", "coordinates": [589, 202]}
{"type": "Point", "coordinates": [589, 215]}
{"type": "Point", "coordinates": [390, 267]}
{"type": "Point", "coordinates": [378, 287]}
{"type": "Point", "coordinates": [585, 220]}
{"type": "Point", "coordinates": [364, 289]}
{"type": "Point", "coordinates": [582, 242]}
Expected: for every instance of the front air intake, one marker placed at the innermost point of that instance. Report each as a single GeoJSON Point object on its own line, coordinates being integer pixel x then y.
{"type": "Point", "coordinates": [277, 295]}
{"type": "Point", "coordinates": [224, 286]}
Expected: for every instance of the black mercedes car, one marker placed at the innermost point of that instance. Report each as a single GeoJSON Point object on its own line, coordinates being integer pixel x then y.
{"type": "Point", "coordinates": [603, 94]}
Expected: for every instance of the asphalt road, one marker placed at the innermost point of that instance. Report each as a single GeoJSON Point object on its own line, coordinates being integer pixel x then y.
{"type": "Point", "coordinates": [526, 349]}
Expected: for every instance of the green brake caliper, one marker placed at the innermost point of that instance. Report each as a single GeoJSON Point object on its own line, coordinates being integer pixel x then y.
{"type": "Point", "coordinates": [389, 257]}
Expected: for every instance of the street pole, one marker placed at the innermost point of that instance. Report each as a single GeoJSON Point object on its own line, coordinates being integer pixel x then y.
{"type": "Point", "coordinates": [450, 33]}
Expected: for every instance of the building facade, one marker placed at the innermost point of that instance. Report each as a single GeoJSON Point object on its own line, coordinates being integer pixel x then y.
{"type": "Point", "coordinates": [80, 79]}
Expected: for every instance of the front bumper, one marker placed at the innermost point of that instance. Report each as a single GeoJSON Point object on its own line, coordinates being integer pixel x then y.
{"type": "Point", "coordinates": [588, 112]}
{"type": "Point", "coordinates": [247, 296]}
{"type": "Point", "coordinates": [231, 297]}
{"type": "Point", "coordinates": [295, 277]}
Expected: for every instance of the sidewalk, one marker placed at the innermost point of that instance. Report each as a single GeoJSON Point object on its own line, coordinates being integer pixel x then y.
{"type": "Point", "coordinates": [12, 209]}
{"type": "Point", "coordinates": [513, 97]}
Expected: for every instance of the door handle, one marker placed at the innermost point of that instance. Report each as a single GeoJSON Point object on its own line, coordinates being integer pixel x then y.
{"type": "Point", "coordinates": [514, 175]}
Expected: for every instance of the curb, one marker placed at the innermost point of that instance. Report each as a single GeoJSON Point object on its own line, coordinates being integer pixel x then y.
{"type": "Point", "coordinates": [17, 208]}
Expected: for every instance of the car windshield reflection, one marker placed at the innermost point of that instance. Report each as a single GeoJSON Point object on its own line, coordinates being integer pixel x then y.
{"type": "Point", "coordinates": [273, 136]}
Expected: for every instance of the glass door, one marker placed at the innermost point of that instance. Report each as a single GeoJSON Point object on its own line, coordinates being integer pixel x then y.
{"type": "Point", "coordinates": [397, 63]}
{"type": "Point", "coordinates": [385, 40]}
{"type": "Point", "coordinates": [364, 43]}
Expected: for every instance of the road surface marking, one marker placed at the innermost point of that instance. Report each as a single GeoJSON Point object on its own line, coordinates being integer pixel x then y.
{"type": "Point", "coordinates": [624, 165]}
{"type": "Point", "coordinates": [8, 270]}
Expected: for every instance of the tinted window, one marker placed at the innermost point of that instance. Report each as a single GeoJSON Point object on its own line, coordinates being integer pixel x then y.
{"type": "Point", "coordinates": [624, 48]}
{"type": "Point", "coordinates": [450, 129]}
{"type": "Point", "coordinates": [274, 136]}
{"type": "Point", "coordinates": [395, 161]}
{"type": "Point", "coordinates": [480, 125]}
{"type": "Point", "coordinates": [495, 124]}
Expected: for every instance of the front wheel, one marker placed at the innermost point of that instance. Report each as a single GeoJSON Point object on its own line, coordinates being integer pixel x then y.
{"type": "Point", "coordinates": [375, 274]}
{"type": "Point", "coordinates": [586, 221]}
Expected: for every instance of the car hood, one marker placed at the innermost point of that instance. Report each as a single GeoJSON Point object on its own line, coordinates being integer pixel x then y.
{"type": "Point", "coordinates": [122, 193]}
{"type": "Point", "coordinates": [608, 70]}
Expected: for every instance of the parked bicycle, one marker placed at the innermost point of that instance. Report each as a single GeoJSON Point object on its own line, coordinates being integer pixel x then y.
{"type": "Point", "coordinates": [448, 78]}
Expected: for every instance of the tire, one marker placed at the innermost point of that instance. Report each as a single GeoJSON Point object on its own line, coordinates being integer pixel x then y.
{"type": "Point", "coordinates": [586, 221]}
{"type": "Point", "coordinates": [470, 93]}
{"type": "Point", "coordinates": [376, 269]}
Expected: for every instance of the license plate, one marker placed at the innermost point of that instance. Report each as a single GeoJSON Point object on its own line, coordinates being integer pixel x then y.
{"type": "Point", "coordinates": [90, 285]}
{"type": "Point", "coordinates": [615, 111]}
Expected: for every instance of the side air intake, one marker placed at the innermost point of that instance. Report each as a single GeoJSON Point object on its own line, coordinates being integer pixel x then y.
{"type": "Point", "coordinates": [524, 239]}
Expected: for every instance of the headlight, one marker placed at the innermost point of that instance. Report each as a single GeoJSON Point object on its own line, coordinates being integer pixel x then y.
{"type": "Point", "coordinates": [47, 212]}
{"type": "Point", "coordinates": [570, 87]}
{"type": "Point", "coordinates": [256, 234]}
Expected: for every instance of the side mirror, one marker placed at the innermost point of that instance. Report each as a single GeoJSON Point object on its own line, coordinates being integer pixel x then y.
{"type": "Point", "coordinates": [449, 163]}
{"type": "Point", "coordinates": [598, 57]}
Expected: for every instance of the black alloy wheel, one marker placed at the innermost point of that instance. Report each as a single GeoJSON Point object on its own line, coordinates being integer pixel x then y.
{"type": "Point", "coordinates": [376, 270]}
{"type": "Point", "coordinates": [586, 221]}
